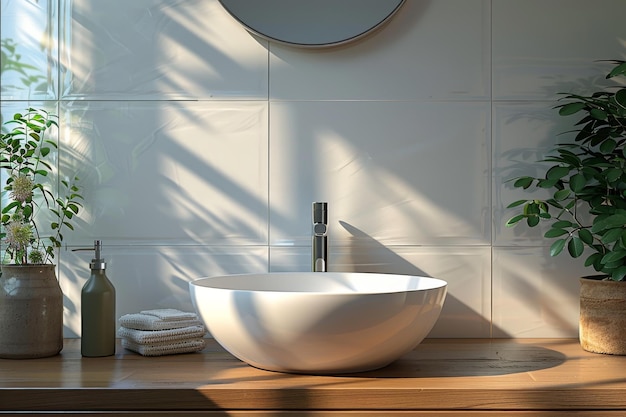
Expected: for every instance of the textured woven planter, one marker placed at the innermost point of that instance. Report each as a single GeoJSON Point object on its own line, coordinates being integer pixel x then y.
{"type": "Point", "coordinates": [31, 312]}
{"type": "Point", "coordinates": [602, 316]}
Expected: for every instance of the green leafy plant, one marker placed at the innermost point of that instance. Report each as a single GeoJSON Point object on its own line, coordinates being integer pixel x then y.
{"type": "Point", "coordinates": [25, 153]}
{"type": "Point", "coordinates": [587, 179]}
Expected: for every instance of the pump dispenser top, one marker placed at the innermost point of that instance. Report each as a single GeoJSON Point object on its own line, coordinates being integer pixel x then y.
{"type": "Point", "coordinates": [97, 262]}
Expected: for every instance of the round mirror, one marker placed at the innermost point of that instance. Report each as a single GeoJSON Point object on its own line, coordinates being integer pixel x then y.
{"type": "Point", "coordinates": [312, 23]}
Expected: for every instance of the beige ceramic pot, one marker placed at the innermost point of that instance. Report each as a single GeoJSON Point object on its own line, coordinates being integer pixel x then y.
{"type": "Point", "coordinates": [31, 312]}
{"type": "Point", "coordinates": [602, 316]}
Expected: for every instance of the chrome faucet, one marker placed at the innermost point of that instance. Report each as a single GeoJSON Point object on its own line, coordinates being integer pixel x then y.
{"type": "Point", "coordinates": [320, 235]}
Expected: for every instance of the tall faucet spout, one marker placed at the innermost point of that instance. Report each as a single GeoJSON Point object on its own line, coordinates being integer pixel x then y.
{"type": "Point", "coordinates": [320, 236]}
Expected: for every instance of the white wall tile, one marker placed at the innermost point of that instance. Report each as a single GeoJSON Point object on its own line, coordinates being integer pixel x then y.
{"type": "Point", "coordinates": [429, 50]}
{"type": "Point", "coordinates": [467, 309]}
{"type": "Point", "coordinates": [169, 172]}
{"type": "Point", "coordinates": [535, 295]}
{"type": "Point", "coordinates": [293, 258]}
{"type": "Point", "coordinates": [29, 40]}
{"type": "Point", "coordinates": [541, 48]}
{"type": "Point", "coordinates": [385, 168]}
{"type": "Point", "coordinates": [158, 49]}
{"type": "Point", "coordinates": [152, 277]}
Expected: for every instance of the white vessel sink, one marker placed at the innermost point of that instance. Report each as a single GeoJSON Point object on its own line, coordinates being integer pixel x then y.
{"type": "Point", "coordinates": [318, 322]}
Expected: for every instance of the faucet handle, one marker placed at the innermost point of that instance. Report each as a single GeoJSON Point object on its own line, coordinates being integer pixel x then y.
{"type": "Point", "coordinates": [320, 212]}
{"type": "Point", "coordinates": [320, 229]}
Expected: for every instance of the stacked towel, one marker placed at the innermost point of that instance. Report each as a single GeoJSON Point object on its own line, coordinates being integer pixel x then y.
{"type": "Point", "coordinates": [161, 332]}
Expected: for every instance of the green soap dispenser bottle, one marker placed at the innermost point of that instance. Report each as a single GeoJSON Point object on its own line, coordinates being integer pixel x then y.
{"type": "Point", "coordinates": [98, 310]}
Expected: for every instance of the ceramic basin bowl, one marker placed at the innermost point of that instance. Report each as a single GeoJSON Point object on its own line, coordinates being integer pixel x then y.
{"type": "Point", "coordinates": [318, 322]}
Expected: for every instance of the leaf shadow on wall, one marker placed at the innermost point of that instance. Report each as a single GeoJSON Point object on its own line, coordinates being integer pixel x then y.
{"type": "Point", "coordinates": [524, 134]}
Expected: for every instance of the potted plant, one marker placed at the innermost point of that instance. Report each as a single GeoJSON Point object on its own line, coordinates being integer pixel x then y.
{"type": "Point", "coordinates": [587, 208]}
{"type": "Point", "coordinates": [36, 209]}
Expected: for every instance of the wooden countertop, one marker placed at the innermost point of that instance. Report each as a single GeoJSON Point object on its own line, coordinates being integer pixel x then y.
{"type": "Point", "coordinates": [443, 375]}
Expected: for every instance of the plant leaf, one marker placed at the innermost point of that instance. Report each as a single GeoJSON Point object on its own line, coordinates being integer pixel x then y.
{"type": "Point", "coordinates": [562, 194]}
{"type": "Point", "coordinates": [10, 206]}
{"type": "Point", "coordinates": [605, 222]}
{"type": "Point", "coordinates": [514, 220]}
{"type": "Point", "coordinates": [562, 223]}
{"type": "Point", "coordinates": [593, 259]}
{"type": "Point", "coordinates": [619, 274]}
{"type": "Point", "coordinates": [532, 221]}
{"type": "Point", "coordinates": [577, 183]}
{"type": "Point", "coordinates": [575, 247]}
{"type": "Point", "coordinates": [608, 146]}
{"type": "Point", "coordinates": [523, 182]}
{"type": "Point", "coordinates": [598, 114]}
{"type": "Point", "coordinates": [516, 203]}
{"type": "Point", "coordinates": [571, 108]}
{"type": "Point", "coordinates": [620, 97]}
{"type": "Point", "coordinates": [557, 172]}
{"type": "Point", "coordinates": [586, 236]}
{"type": "Point", "coordinates": [555, 233]}
{"type": "Point", "coordinates": [618, 70]}
{"type": "Point", "coordinates": [613, 256]}
{"type": "Point", "coordinates": [547, 183]}
{"type": "Point", "coordinates": [613, 174]}
{"type": "Point", "coordinates": [557, 247]}
{"type": "Point", "coordinates": [612, 235]}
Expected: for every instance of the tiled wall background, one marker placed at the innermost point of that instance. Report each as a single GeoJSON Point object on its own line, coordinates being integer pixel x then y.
{"type": "Point", "coordinates": [201, 147]}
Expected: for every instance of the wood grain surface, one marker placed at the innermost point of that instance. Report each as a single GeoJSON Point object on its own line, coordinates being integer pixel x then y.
{"type": "Point", "coordinates": [441, 378]}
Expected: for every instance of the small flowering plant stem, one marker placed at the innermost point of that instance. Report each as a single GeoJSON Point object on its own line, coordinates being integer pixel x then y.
{"type": "Point", "coordinates": [24, 157]}
{"type": "Point", "coordinates": [587, 179]}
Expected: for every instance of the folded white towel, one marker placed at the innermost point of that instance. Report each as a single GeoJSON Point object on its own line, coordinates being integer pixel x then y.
{"type": "Point", "coordinates": [170, 314]}
{"type": "Point", "coordinates": [160, 349]}
{"type": "Point", "coordinates": [142, 321]}
{"type": "Point", "coordinates": [161, 336]}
